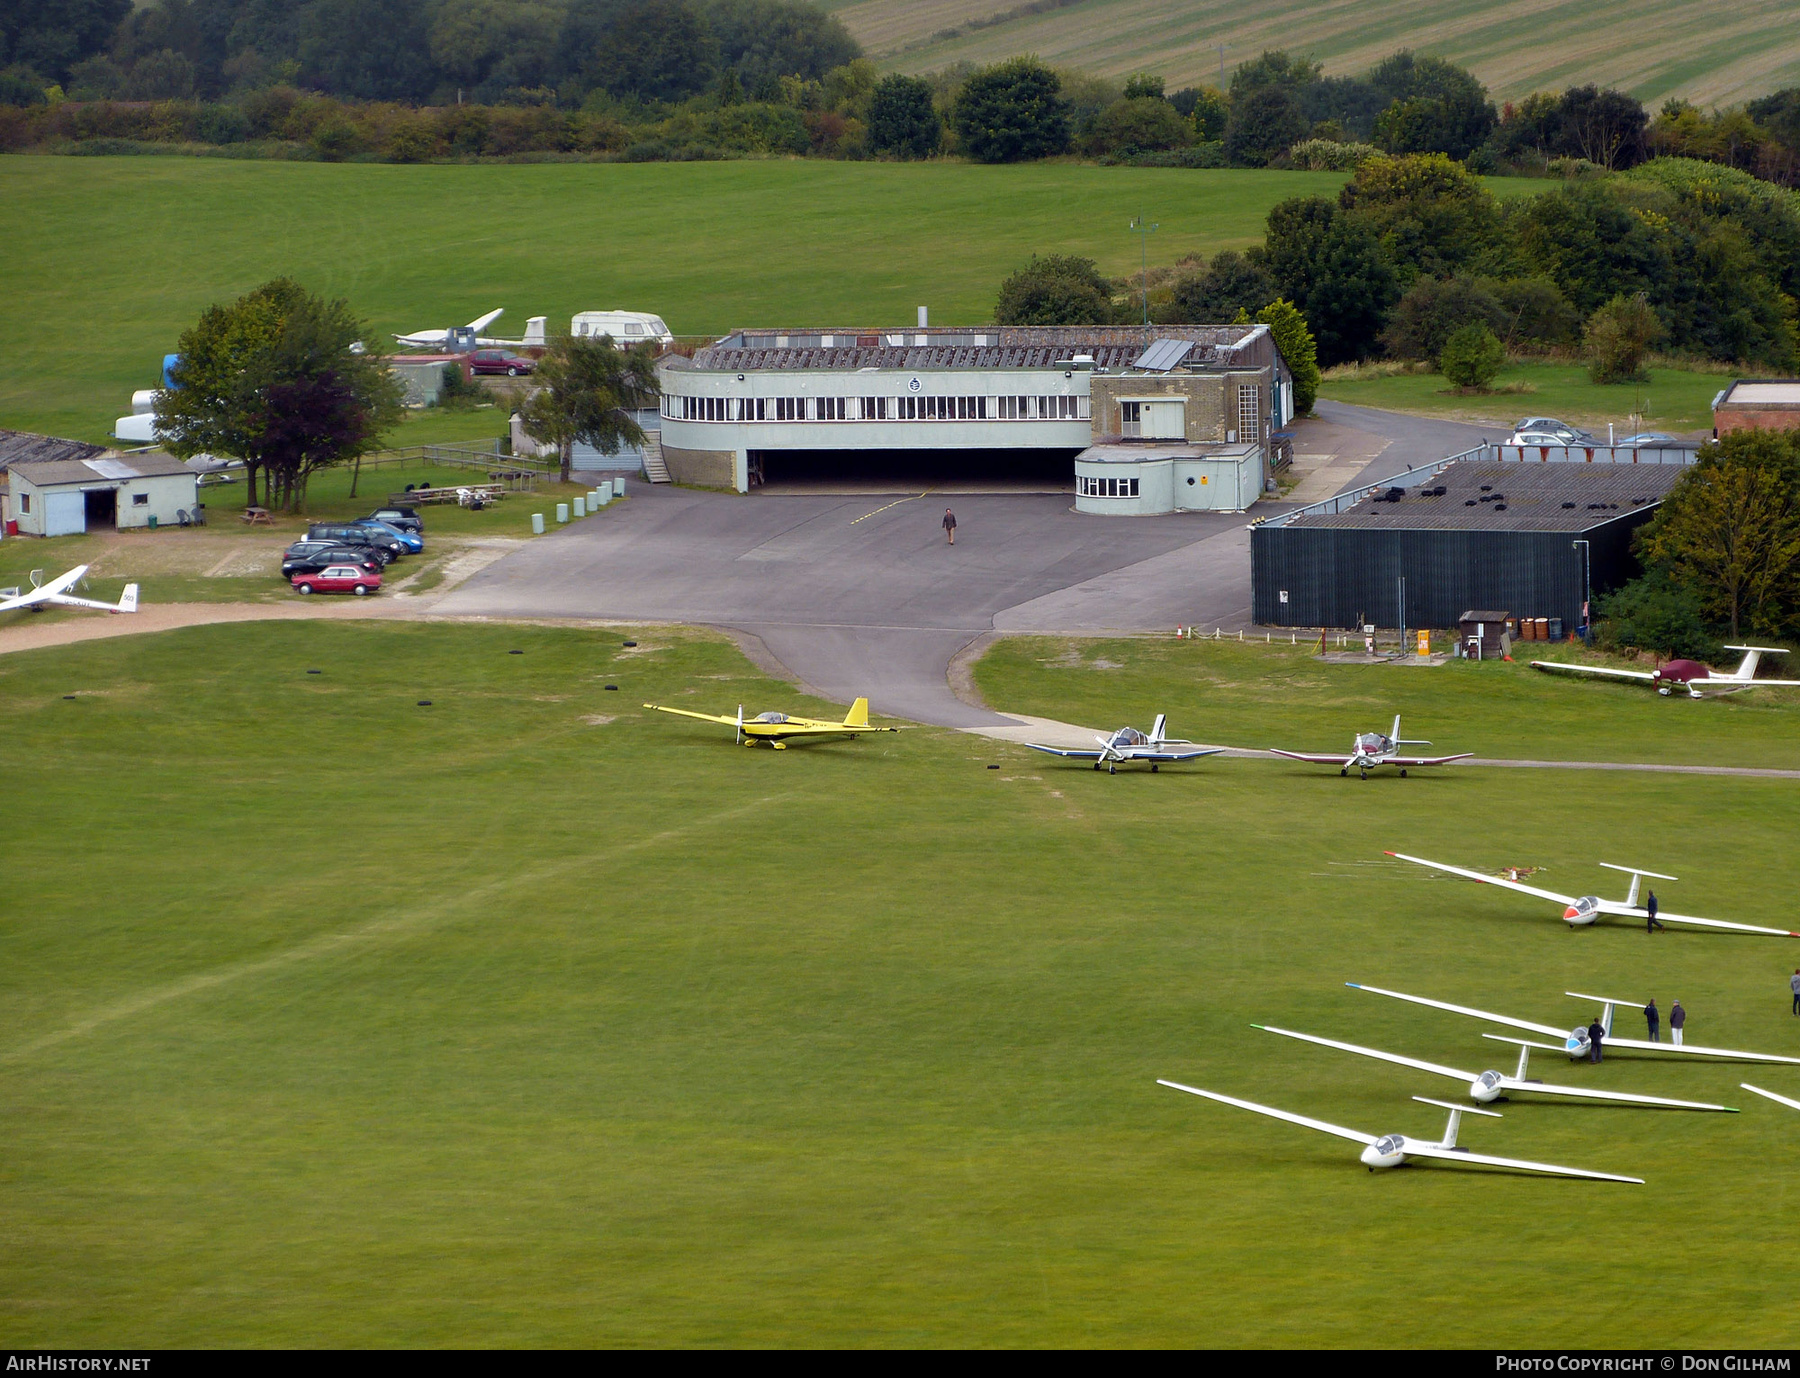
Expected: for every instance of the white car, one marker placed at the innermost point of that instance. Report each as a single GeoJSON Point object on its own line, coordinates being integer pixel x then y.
{"type": "Point", "coordinates": [1552, 438]}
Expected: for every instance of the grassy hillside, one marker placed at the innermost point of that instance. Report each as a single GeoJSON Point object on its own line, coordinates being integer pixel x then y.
{"type": "Point", "coordinates": [1689, 48]}
{"type": "Point", "coordinates": [118, 255]}
{"type": "Point", "coordinates": [565, 1035]}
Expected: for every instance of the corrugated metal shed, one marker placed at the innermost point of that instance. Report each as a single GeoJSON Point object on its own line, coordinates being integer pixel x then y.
{"type": "Point", "coordinates": [23, 447]}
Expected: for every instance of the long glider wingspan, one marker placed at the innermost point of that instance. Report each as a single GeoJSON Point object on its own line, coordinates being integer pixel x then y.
{"type": "Point", "coordinates": [1355, 1136]}
{"type": "Point", "coordinates": [1456, 1155]}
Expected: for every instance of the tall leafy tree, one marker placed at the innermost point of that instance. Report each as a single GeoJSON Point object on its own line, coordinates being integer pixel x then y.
{"type": "Point", "coordinates": [1227, 284]}
{"type": "Point", "coordinates": [1330, 265]}
{"type": "Point", "coordinates": [51, 36]}
{"type": "Point", "coordinates": [1011, 112]}
{"type": "Point", "coordinates": [1055, 290]}
{"type": "Point", "coordinates": [1264, 123]}
{"type": "Point", "coordinates": [587, 390]}
{"type": "Point", "coordinates": [369, 49]}
{"type": "Point", "coordinates": [1603, 126]}
{"type": "Point", "coordinates": [1730, 530]}
{"type": "Point", "coordinates": [662, 50]}
{"type": "Point", "coordinates": [902, 117]}
{"type": "Point", "coordinates": [765, 39]}
{"type": "Point", "coordinates": [281, 380]}
{"type": "Point", "coordinates": [1288, 328]}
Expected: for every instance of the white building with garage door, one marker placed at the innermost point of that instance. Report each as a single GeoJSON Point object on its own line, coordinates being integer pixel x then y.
{"type": "Point", "coordinates": [770, 405]}
{"type": "Point", "coordinates": [108, 492]}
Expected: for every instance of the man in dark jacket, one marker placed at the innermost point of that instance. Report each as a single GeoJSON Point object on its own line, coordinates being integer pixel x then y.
{"type": "Point", "coordinates": [1794, 985]}
{"type": "Point", "coordinates": [1653, 1017]}
{"type": "Point", "coordinates": [1677, 1019]}
{"type": "Point", "coordinates": [949, 525]}
{"type": "Point", "coordinates": [1596, 1036]}
{"type": "Point", "coordinates": [1651, 924]}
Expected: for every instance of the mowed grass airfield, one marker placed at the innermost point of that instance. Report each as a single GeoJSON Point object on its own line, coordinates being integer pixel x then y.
{"type": "Point", "coordinates": [528, 1017]}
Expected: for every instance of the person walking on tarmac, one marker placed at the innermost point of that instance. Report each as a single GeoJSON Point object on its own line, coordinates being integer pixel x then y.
{"type": "Point", "coordinates": [1596, 1037]}
{"type": "Point", "coordinates": [1653, 1017]}
{"type": "Point", "coordinates": [1651, 922]}
{"type": "Point", "coordinates": [1794, 985]}
{"type": "Point", "coordinates": [950, 525]}
{"type": "Point", "coordinates": [1677, 1021]}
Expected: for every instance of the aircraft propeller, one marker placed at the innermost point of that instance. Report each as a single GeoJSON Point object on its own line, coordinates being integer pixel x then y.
{"type": "Point", "coordinates": [739, 739]}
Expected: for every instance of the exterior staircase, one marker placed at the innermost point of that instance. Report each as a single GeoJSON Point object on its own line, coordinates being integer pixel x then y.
{"type": "Point", "coordinates": [654, 468]}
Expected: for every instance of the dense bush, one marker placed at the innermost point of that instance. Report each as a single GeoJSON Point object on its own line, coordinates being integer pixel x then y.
{"type": "Point", "coordinates": [1619, 337]}
{"type": "Point", "coordinates": [903, 120]}
{"type": "Point", "coordinates": [1471, 357]}
{"type": "Point", "coordinates": [1055, 290]}
{"type": "Point", "coordinates": [1328, 155]}
{"type": "Point", "coordinates": [1010, 112]}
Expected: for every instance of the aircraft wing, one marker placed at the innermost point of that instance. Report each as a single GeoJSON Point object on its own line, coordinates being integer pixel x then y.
{"type": "Point", "coordinates": [1317, 758]}
{"type": "Point", "coordinates": [1639, 915]}
{"type": "Point", "coordinates": [1492, 1018]}
{"type": "Point", "coordinates": [1485, 880]}
{"type": "Point", "coordinates": [826, 725]}
{"type": "Point", "coordinates": [1138, 754]}
{"type": "Point", "coordinates": [1353, 1135]}
{"type": "Point", "coordinates": [1770, 1095]}
{"type": "Point", "coordinates": [48, 593]}
{"type": "Point", "coordinates": [1456, 1155]}
{"type": "Point", "coordinates": [1599, 671]}
{"type": "Point", "coordinates": [1546, 1088]}
{"type": "Point", "coordinates": [1695, 1050]}
{"type": "Point", "coordinates": [1395, 1058]}
{"type": "Point", "coordinates": [1083, 755]}
{"type": "Point", "coordinates": [1425, 760]}
{"type": "Point", "coordinates": [687, 713]}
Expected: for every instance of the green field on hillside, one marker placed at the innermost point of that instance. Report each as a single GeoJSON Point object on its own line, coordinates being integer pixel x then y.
{"type": "Point", "coordinates": [119, 255]}
{"type": "Point", "coordinates": [1686, 48]}
{"type": "Point", "coordinates": [1675, 399]}
{"type": "Point", "coordinates": [329, 1018]}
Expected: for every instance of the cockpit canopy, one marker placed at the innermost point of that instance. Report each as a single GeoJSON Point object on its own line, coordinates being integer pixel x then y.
{"type": "Point", "coordinates": [1372, 741]}
{"type": "Point", "coordinates": [1587, 903]}
{"type": "Point", "coordinates": [770, 717]}
{"type": "Point", "coordinates": [1390, 1143]}
{"type": "Point", "coordinates": [1489, 1080]}
{"type": "Point", "coordinates": [1129, 736]}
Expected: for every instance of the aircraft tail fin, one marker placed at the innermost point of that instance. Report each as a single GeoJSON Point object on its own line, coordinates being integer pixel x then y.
{"type": "Point", "coordinates": [1157, 727]}
{"type": "Point", "coordinates": [858, 716]}
{"type": "Point", "coordinates": [534, 331]}
{"type": "Point", "coordinates": [1752, 658]}
{"type": "Point", "coordinates": [128, 599]}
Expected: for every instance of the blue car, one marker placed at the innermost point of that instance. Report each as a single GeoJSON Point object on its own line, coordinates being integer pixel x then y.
{"type": "Point", "coordinates": [413, 542]}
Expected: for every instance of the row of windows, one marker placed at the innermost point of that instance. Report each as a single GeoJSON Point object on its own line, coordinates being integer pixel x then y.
{"type": "Point", "coordinates": [874, 408]}
{"type": "Point", "coordinates": [1105, 487]}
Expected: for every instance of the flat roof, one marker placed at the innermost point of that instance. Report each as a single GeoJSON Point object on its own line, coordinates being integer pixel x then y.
{"type": "Point", "coordinates": [1493, 496]}
{"type": "Point", "coordinates": [25, 447]}
{"type": "Point", "coordinates": [1763, 392]}
{"type": "Point", "coordinates": [1119, 450]}
{"type": "Point", "coordinates": [1114, 348]}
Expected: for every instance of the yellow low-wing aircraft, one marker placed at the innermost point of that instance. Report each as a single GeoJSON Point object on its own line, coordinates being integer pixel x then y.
{"type": "Point", "coordinates": [777, 729]}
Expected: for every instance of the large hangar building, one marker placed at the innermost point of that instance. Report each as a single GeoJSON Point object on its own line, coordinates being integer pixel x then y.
{"type": "Point", "coordinates": [1478, 531]}
{"type": "Point", "coordinates": [1137, 421]}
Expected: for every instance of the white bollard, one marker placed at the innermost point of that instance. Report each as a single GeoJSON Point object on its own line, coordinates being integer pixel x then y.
{"type": "Point", "coordinates": [580, 506]}
{"type": "Point", "coordinates": [562, 512]}
{"type": "Point", "coordinates": [537, 523]}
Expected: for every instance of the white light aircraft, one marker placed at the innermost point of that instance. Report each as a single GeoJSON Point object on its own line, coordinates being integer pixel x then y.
{"type": "Point", "coordinates": [1575, 1041]}
{"type": "Point", "coordinates": [1392, 1150]}
{"type": "Point", "coordinates": [1373, 749]}
{"type": "Point", "coordinates": [1585, 909]}
{"type": "Point", "coordinates": [57, 592]}
{"type": "Point", "coordinates": [1487, 1087]}
{"type": "Point", "coordinates": [469, 336]}
{"type": "Point", "coordinates": [1698, 681]}
{"type": "Point", "coordinates": [1770, 1095]}
{"type": "Point", "coordinates": [1128, 744]}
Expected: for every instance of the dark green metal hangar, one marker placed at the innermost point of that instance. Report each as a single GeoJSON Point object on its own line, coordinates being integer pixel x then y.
{"type": "Point", "coordinates": [1475, 532]}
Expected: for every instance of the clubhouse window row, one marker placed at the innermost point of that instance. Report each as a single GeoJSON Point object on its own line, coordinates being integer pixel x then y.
{"type": "Point", "coordinates": [1009, 408]}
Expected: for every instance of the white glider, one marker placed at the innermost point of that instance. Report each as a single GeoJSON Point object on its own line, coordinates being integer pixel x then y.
{"type": "Point", "coordinates": [1490, 1086]}
{"type": "Point", "coordinates": [57, 592]}
{"type": "Point", "coordinates": [1129, 744]}
{"type": "Point", "coordinates": [1585, 909]}
{"type": "Point", "coordinates": [1391, 1150]}
{"type": "Point", "coordinates": [1770, 1095]}
{"type": "Point", "coordinates": [1575, 1041]}
{"type": "Point", "coordinates": [437, 339]}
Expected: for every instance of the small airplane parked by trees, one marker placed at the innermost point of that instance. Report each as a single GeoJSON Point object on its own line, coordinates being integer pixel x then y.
{"type": "Point", "coordinates": [1392, 1150]}
{"type": "Point", "coordinates": [56, 593]}
{"type": "Point", "coordinates": [1579, 911]}
{"type": "Point", "coordinates": [1489, 1086]}
{"type": "Point", "coordinates": [1128, 744]}
{"type": "Point", "coordinates": [1372, 749]}
{"type": "Point", "coordinates": [778, 729]}
{"type": "Point", "coordinates": [1689, 676]}
{"type": "Point", "coordinates": [1575, 1041]}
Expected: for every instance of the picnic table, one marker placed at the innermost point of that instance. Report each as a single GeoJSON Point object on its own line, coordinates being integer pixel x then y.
{"type": "Point", "coordinates": [258, 516]}
{"type": "Point", "coordinates": [461, 493]}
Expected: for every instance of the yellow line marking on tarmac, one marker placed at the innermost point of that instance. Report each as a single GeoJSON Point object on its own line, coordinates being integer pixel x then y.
{"type": "Point", "coordinates": [895, 503]}
{"type": "Point", "coordinates": [420, 920]}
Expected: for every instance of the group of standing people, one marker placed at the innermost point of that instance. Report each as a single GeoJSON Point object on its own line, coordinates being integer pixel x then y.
{"type": "Point", "coordinates": [1653, 1018]}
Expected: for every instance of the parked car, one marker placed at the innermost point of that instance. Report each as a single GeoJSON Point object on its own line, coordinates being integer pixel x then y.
{"type": "Point", "coordinates": [1649, 440]}
{"type": "Point", "coordinates": [412, 540]}
{"type": "Point", "coordinates": [381, 555]}
{"type": "Point", "coordinates": [338, 579]}
{"type": "Point", "coordinates": [352, 534]}
{"type": "Point", "coordinates": [311, 560]}
{"type": "Point", "coordinates": [1549, 425]}
{"type": "Point", "coordinates": [1540, 438]}
{"type": "Point", "coordinates": [501, 361]}
{"type": "Point", "coordinates": [401, 518]}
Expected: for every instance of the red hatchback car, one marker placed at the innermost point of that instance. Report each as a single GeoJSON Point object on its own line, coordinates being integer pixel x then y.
{"type": "Point", "coordinates": [501, 361]}
{"type": "Point", "coordinates": [338, 579]}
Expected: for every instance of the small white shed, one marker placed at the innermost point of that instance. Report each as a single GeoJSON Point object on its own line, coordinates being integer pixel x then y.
{"type": "Point", "coordinates": [66, 497]}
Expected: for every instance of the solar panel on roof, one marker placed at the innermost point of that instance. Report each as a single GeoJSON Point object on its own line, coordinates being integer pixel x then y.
{"type": "Point", "coordinates": [1164, 355]}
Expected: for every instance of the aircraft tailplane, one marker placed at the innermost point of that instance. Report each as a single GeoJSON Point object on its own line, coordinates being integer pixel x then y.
{"type": "Point", "coordinates": [858, 716]}
{"type": "Point", "coordinates": [128, 599]}
{"type": "Point", "coordinates": [1752, 658]}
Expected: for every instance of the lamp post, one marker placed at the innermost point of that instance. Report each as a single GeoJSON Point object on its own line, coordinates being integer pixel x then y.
{"type": "Point", "coordinates": [1140, 227]}
{"type": "Point", "coordinates": [1587, 590]}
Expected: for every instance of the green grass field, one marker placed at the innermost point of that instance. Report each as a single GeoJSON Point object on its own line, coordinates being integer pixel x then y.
{"type": "Point", "coordinates": [1675, 399]}
{"type": "Point", "coordinates": [119, 255]}
{"type": "Point", "coordinates": [1684, 48]}
{"type": "Point", "coordinates": [331, 1019]}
